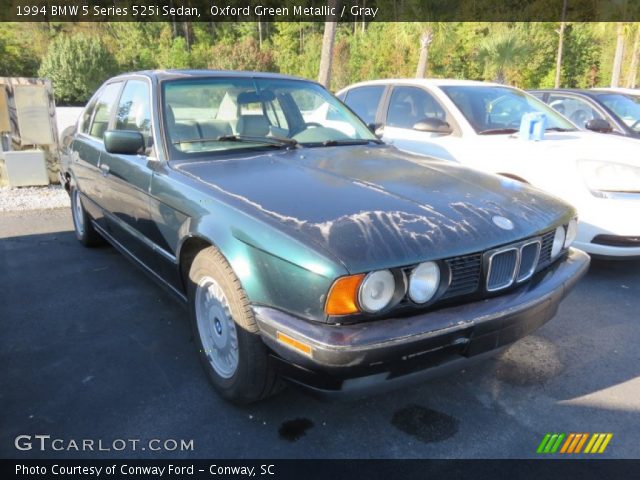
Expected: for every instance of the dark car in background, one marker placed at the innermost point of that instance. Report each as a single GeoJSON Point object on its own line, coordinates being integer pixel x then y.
{"type": "Point", "coordinates": [304, 247]}
{"type": "Point", "coordinates": [597, 110]}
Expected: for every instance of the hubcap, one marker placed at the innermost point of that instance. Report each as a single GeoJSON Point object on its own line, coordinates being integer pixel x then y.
{"type": "Point", "coordinates": [216, 327]}
{"type": "Point", "coordinates": [77, 213]}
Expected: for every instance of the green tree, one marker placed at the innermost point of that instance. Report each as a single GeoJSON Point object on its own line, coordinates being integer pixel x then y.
{"type": "Point", "coordinates": [243, 55]}
{"type": "Point", "coordinates": [501, 52]}
{"type": "Point", "coordinates": [15, 59]}
{"type": "Point", "coordinates": [76, 66]}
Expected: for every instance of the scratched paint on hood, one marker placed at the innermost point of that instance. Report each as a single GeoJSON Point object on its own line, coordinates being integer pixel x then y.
{"type": "Point", "coordinates": [376, 206]}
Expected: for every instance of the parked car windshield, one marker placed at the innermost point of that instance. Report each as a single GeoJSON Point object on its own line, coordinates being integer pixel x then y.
{"type": "Point", "coordinates": [221, 114]}
{"type": "Point", "coordinates": [496, 110]}
{"type": "Point", "coordinates": [624, 107]}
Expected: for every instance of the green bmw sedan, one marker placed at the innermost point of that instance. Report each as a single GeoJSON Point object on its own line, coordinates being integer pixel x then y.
{"type": "Point", "coordinates": [304, 247]}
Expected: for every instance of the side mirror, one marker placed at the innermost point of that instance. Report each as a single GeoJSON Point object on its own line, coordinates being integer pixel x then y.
{"type": "Point", "coordinates": [433, 125]}
{"type": "Point", "coordinates": [125, 142]}
{"type": "Point", "coordinates": [598, 125]}
{"type": "Point", "coordinates": [377, 129]}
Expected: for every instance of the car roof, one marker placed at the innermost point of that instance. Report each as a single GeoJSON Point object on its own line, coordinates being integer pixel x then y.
{"type": "Point", "coordinates": [162, 75]}
{"type": "Point", "coordinates": [436, 82]}
{"type": "Point", "coordinates": [578, 91]}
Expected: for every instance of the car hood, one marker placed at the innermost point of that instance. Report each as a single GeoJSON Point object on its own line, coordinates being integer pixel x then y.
{"type": "Point", "coordinates": [566, 146]}
{"type": "Point", "coordinates": [376, 207]}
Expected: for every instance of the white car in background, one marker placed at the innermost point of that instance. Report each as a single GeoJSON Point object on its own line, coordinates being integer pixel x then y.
{"type": "Point", "coordinates": [477, 124]}
{"type": "Point", "coordinates": [629, 92]}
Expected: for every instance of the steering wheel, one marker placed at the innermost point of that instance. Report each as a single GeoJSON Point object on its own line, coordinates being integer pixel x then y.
{"type": "Point", "coordinates": [579, 117]}
{"type": "Point", "coordinates": [313, 124]}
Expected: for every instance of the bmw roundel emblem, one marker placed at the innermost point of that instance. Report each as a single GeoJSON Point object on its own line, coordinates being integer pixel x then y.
{"type": "Point", "coordinates": [502, 222]}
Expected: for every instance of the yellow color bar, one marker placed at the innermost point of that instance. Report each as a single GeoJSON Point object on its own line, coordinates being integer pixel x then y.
{"type": "Point", "coordinates": [591, 442]}
{"type": "Point", "coordinates": [606, 441]}
{"type": "Point", "coordinates": [292, 342]}
{"type": "Point", "coordinates": [596, 445]}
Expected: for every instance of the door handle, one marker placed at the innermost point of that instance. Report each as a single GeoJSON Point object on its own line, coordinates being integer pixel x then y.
{"type": "Point", "coordinates": [105, 169]}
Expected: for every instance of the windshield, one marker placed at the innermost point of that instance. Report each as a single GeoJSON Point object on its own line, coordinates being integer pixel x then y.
{"type": "Point", "coordinates": [498, 109]}
{"type": "Point", "coordinates": [222, 114]}
{"type": "Point", "coordinates": [624, 107]}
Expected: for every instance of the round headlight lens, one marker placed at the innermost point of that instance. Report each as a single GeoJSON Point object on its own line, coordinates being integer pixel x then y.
{"type": "Point", "coordinates": [558, 242]}
{"type": "Point", "coordinates": [376, 291]}
{"type": "Point", "coordinates": [424, 282]}
{"type": "Point", "coordinates": [572, 232]}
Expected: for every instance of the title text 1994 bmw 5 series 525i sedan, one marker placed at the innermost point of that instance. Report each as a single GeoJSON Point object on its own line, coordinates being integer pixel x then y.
{"type": "Point", "coordinates": [304, 247]}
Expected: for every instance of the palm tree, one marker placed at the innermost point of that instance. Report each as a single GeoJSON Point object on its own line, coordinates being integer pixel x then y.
{"type": "Point", "coordinates": [560, 44]}
{"type": "Point", "coordinates": [425, 42]}
{"type": "Point", "coordinates": [501, 51]}
{"type": "Point", "coordinates": [617, 58]}
{"type": "Point", "coordinates": [328, 39]}
{"type": "Point", "coordinates": [635, 57]}
{"type": "Point", "coordinates": [435, 33]}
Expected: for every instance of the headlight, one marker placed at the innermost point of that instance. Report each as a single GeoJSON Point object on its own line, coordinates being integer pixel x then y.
{"type": "Point", "coordinates": [424, 282]}
{"type": "Point", "coordinates": [572, 231]}
{"type": "Point", "coordinates": [558, 242]}
{"type": "Point", "coordinates": [610, 176]}
{"type": "Point", "coordinates": [376, 291]}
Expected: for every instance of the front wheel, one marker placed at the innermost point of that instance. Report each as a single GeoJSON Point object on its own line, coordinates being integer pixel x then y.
{"type": "Point", "coordinates": [229, 345]}
{"type": "Point", "coordinates": [85, 233]}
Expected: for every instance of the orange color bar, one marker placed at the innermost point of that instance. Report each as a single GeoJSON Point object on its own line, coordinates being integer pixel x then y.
{"type": "Point", "coordinates": [576, 439]}
{"type": "Point", "coordinates": [567, 442]}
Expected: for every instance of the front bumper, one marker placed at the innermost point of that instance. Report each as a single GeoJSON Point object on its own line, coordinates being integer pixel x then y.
{"type": "Point", "coordinates": [396, 351]}
{"type": "Point", "coordinates": [615, 219]}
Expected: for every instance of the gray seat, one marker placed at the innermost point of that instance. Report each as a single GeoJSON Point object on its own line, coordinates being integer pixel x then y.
{"type": "Point", "coordinates": [215, 128]}
{"type": "Point", "coordinates": [183, 130]}
{"type": "Point", "coordinates": [253, 125]}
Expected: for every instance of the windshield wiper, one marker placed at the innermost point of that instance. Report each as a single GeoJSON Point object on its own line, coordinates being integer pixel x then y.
{"type": "Point", "coordinates": [350, 141]}
{"type": "Point", "coordinates": [277, 141]}
{"type": "Point", "coordinates": [272, 140]}
{"type": "Point", "coordinates": [558, 129]}
{"type": "Point", "coordinates": [497, 131]}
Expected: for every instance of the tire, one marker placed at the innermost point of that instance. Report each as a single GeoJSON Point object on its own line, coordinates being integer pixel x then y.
{"type": "Point", "coordinates": [84, 230]}
{"type": "Point", "coordinates": [225, 331]}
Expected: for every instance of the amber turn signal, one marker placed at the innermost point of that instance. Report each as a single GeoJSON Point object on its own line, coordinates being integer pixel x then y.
{"type": "Point", "coordinates": [293, 343]}
{"type": "Point", "coordinates": [342, 299]}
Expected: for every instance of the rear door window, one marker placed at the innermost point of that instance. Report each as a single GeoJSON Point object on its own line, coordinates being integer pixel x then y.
{"type": "Point", "coordinates": [364, 101]}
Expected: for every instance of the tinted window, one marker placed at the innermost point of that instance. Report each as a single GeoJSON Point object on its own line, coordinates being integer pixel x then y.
{"type": "Point", "coordinates": [499, 110]}
{"type": "Point", "coordinates": [201, 113]}
{"type": "Point", "coordinates": [134, 112]}
{"type": "Point", "coordinates": [575, 109]}
{"type": "Point", "coordinates": [409, 105]}
{"type": "Point", "coordinates": [364, 101]}
{"type": "Point", "coordinates": [625, 108]}
{"type": "Point", "coordinates": [103, 110]}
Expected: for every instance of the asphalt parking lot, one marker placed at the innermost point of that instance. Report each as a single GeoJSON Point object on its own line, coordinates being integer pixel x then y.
{"type": "Point", "coordinates": [91, 348]}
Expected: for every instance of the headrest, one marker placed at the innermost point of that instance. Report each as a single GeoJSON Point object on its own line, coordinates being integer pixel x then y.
{"type": "Point", "coordinates": [255, 97]}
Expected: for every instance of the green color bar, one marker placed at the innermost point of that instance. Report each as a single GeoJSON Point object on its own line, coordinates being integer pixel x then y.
{"type": "Point", "coordinates": [543, 443]}
{"type": "Point", "coordinates": [550, 444]}
{"type": "Point", "coordinates": [558, 442]}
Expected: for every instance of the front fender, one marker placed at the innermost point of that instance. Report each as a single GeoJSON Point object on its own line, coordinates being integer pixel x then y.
{"type": "Point", "coordinates": [274, 269]}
